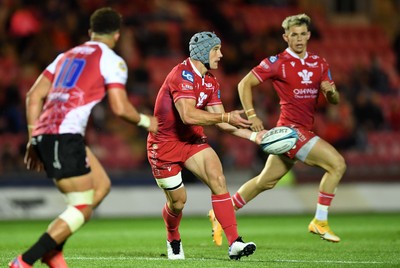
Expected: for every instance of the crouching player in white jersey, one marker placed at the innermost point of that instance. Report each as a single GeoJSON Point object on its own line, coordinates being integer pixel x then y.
{"type": "Point", "coordinates": [298, 77]}
{"type": "Point", "coordinates": [58, 107]}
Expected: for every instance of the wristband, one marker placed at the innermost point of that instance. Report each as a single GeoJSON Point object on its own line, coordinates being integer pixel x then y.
{"type": "Point", "coordinates": [249, 110]}
{"type": "Point", "coordinates": [144, 121]}
{"type": "Point", "coordinates": [229, 117]}
{"type": "Point", "coordinates": [253, 136]}
{"type": "Point", "coordinates": [31, 126]}
{"type": "Point", "coordinates": [251, 116]}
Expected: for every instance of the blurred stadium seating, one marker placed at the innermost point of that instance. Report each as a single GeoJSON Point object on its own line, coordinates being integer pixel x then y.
{"type": "Point", "coordinates": [345, 48]}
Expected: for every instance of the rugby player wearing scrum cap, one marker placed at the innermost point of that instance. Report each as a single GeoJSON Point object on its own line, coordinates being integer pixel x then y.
{"type": "Point", "coordinates": [188, 100]}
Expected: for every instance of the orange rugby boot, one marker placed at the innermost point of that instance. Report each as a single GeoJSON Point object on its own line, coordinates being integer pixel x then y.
{"type": "Point", "coordinates": [322, 229]}
{"type": "Point", "coordinates": [216, 228]}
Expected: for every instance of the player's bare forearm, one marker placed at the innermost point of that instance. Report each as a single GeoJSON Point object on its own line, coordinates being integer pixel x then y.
{"type": "Point", "coordinates": [35, 99]}
{"type": "Point", "coordinates": [245, 92]}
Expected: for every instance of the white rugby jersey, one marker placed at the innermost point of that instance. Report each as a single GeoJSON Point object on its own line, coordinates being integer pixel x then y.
{"type": "Point", "coordinates": [80, 78]}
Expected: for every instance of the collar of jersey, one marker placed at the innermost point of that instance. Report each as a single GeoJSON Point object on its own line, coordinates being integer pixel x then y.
{"type": "Point", "coordinates": [96, 43]}
{"type": "Point", "coordinates": [195, 69]}
{"type": "Point", "coordinates": [288, 50]}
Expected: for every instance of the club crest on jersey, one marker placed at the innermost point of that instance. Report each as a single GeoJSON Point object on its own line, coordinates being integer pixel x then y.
{"type": "Point", "coordinates": [187, 76]}
{"type": "Point", "coordinates": [305, 75]}
{"type": "Point", "coordinates": [201, 99]}
{"type": "Point", "coordinates": [272, 59]}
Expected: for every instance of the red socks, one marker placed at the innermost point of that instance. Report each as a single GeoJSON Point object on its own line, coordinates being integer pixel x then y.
{"type": "Point", "coordinates": [172, 222]}
{"type": "Point", "coordinates": [325, 198]}
{"type": "Point", "coordinates": [225, 214]}
{"type": "Point", "coordinates": [238, 200]}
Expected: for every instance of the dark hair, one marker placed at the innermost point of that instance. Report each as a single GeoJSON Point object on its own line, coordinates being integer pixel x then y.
{"type": "Point", "coordinates": [105, 21]}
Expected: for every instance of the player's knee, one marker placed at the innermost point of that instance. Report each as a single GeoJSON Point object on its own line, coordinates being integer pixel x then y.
{"type": "Point", "coordinates": [263, 184]}
{"type": "Point", "coordinates": [177, 205]}
{"type": "Point", "coordinates": [266, 186]}
{"type": "Point", "coordinates": [339, 166]}
{"type": "Point", "coordinates": [100, 194]}
{"type": "Point", "coordinates": [79, 209]}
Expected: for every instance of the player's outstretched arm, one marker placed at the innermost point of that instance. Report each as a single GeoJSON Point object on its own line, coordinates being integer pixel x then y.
{"type": "Point", "coordinates": [35, 99]}
{"type": "Point", "coordinates": [245, 87]}
{"type": "Point", "coordinates": [121, 106]}
{"type": "Point", "coordinates": [190, 115]}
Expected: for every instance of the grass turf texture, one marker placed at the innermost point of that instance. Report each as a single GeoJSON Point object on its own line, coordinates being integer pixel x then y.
{"type": "Point", "coordinates": [368, 240]}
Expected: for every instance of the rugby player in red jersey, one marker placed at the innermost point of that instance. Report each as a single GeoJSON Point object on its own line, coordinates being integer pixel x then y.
{"type": "Point", "coordinates": [58, 107]}
{"type": "Point", "coordinates": [189, 99]}
{"type": "Point", "coordinates": [298, 76]}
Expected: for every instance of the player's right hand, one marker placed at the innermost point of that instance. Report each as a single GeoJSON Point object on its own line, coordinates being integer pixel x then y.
{"type": "Point", "coordinates": [237, 120]}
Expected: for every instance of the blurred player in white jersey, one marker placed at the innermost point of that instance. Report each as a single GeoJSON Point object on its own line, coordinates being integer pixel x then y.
{"type": "Point", "coordinates": [298, 77]}
{"type": "Point", "coordinates": [57, 108]}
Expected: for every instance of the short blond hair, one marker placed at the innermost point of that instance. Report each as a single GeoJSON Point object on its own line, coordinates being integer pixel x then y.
{"type": "Point", "coordinates": [296, 20]}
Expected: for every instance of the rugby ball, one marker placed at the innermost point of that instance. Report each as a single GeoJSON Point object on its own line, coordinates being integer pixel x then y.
{"type": "Point", "coordinates": [279, 140]}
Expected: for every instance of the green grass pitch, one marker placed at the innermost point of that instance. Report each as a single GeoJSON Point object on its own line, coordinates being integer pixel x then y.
{"type": "Point", "coordinates": [368, 240]}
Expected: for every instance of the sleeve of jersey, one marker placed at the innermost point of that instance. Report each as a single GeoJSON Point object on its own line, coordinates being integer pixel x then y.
{"type": "Point", "coordinates": [216, 96]}
{"type": "Point", "coordinates": [114, 71]}
{"type": "Point", "coordinates": [181, 87]}
{"type": "Point", "coordinates": [264, 70]}
{"type": "Point", "coordinates": [326, 72]}
{"type": "Point", "coordinates": [51, 68]}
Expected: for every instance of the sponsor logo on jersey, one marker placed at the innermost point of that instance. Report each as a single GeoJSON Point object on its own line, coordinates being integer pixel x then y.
{"type": "Point", "coordinates": [122, 66]}
{"type": "Point", "coordinates": [305, 93]}
{"type": "Point", "coordinates": [187, 76]}
{"type": "Point", "coordinates": [292, 63]}
{"type": "Point", "coordinates": [58, 96]}
{"type": "Point", "coordinates": [272, 59]}
{"type": "Point", "coordinates": [264, 65]}
{"type": "Point", "coordinates": [312, 65]}
{"type": "Point", "coordinates": [201, 99]}
{"type": "Point", "coordinates": [283, 70]}
{"type": "Point", "coordinates": [305, 76]}
{"type": "Point", "coordinates": [186, 86]}
{"type": "Point", "coordinates": [83, 50]}
{"type": "Point", "coordinates": [209, 86]}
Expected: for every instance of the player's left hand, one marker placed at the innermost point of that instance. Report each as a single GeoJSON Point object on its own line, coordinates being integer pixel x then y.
{"type": "Point", "coordinates": [327, 87]}
{"type": "Point", "coordinates": [260, 135]}
{"type": "Point", "coordinates": [32, 160]}
{"type": "Point", "coordinates": [256, 124]}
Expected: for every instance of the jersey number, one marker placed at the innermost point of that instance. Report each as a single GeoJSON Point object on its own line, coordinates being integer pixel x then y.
{"type": "Point", "coordinates": [69, 73]}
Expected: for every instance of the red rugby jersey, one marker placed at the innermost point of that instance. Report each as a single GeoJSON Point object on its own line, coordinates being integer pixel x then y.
{"type": "Point", "coordinates": [297, 82]}
{"type": "Point", "coordinates": [184, 81]}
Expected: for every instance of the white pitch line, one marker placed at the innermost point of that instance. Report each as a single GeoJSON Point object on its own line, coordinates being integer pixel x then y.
{"type": "Point", "coordinates": [204, 259]}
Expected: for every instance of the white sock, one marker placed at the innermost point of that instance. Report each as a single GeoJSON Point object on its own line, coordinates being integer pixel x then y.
{"type": "Point", "coordinates": [321, 213]}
